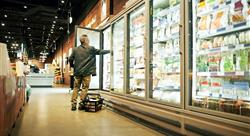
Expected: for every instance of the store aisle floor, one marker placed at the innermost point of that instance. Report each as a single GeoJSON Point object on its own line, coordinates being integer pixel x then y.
{"type": "Point", "coordinates": [48, 114]}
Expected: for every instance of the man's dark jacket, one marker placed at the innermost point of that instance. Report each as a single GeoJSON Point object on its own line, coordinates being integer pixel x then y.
{"type": "Point", "coordinates": [83, 59]}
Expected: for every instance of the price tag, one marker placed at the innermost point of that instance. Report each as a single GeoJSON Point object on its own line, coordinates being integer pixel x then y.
{"type": "Point", "coordinates": [224, 48]}
{"type": "Point", "coordinates": [239, 73]}
{"type": "Point", "coordinates": [240, 46]}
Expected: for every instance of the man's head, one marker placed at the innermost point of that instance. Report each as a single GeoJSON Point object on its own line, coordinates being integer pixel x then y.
{"type": "Point", "coordinates": [84, 40]}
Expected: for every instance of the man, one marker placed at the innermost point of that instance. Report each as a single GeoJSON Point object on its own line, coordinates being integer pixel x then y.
{"type": "Point", "coordinates": [84, 62]}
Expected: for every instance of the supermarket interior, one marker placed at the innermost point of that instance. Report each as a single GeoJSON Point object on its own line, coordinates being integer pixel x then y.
{"type": "Point", "coordinates": [173, 67]}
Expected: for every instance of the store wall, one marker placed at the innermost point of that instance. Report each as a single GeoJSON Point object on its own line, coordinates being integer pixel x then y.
{"type": "Point", "coordinates": [93, 20]}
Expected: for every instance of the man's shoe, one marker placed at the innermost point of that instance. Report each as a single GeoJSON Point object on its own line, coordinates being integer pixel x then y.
{"type": "Point", "coordinates": [81, 106]}
{"type": "Point", "coordinates": [73, 108]}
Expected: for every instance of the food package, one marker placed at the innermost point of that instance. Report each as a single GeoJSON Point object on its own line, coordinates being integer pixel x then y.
{"type": "Point", "coordinates": [214, 62]}
{"type": "Point", "coordinates": [239, 11]}
{"type": "Point", "coordinates": [204, 24]}
{"type": "Point", "coordinates": [220, 19]}
{"type": "Point", "coordinates": [202, 64]}
{"type": "Point", "coordinates": [216, 86]}
{"type": "Point", "coordinates": [204, 85]}
{"type": "Point", "coordinates": [205, 44]}
{"type": "Point", "coordinates": [228, 90]}
{"type": "Point", "coordinates": [242, 60]}
{"type": "Point", "coordinates": [248, 10]}
{"type": "Point", "coordinates": [218, 42]}
{"type": "Point", "coordinates": [210, 4]}
{"type": "Point", "coordinates": [227, 62]}
{"type": "Point", "coordinates": [242, 89]}
{"type": "Point", "coordinates": [201, 7]}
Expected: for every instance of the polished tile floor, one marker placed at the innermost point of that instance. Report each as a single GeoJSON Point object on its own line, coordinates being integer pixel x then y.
{"type": "Point", "coordinates": [48, 114]}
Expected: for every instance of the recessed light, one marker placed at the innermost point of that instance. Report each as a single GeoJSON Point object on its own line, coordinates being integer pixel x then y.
{"type": "Point", "coordinates": [6, 36]}
{"type": "Point", "coordinates": [2, 24]}
{"type": "Point", "coordinates": [5, 16]}
{"type": "Point", "coordinates": [28, 28]}
{"type": "Point", "coordinates": [62, 1]}
{"type": "Point", "coordinates": [56, 17]}
{"type": "Point", "coordinates": [25, 6]}
{"type": "Point", "coordinates": [52, 32]}
{"type": "Point", "coordinates": [54, 22]}
{"type": "Point", "coordinates": [25, 18]}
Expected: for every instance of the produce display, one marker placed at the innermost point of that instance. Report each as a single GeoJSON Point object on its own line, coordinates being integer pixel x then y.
{"type": "Point", "coordinates": [221, 55]}
{"type": "Point", "coordinates": [166, 51]}
{"type": "Point", "coordinates": [118, 57]}
{"type": "Point", "coordinates": [106, 59]}
{"type": "Point", "coordinates": [137, 52]}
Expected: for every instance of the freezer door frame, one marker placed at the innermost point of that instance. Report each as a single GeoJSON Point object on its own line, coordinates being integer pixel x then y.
{"type": "Point", "coordinates": [189, 40]}
{"type": "Point", "coordinates": [100, 56]}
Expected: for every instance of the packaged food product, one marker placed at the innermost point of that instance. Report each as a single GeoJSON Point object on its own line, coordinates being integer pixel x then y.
{"type": "Point", "coordinates": [204, 24]}
{"type": "Point", "coordinates": [242, 89]}
{"type": "Point", "coordinates": [214, 62]}
{"type": "Point", "coordinates": [218, 42]}
{"type": "Point", "coordinates": [242, 60]}
{"type": "Point", "coordinates": [206, 44]}
{"type": "Point", "coordinates": [210, 4]}
{"type": "Point", "coordinates": [227, 62]}
{"type": "Point", "coordinates": [201, 6]}
{"type": "Point", "coordinates": [220, 19]}
{"type": "Point", "coordinates": [239, 11]}
{"type": "Point", "coordinates": [216, 87]}
{"type": "Point", "coordinates": [202, 64]}
{"type": "Point", "coordinates": [228, 90]}
{"type": "Point", "coordinates": [204, 86]}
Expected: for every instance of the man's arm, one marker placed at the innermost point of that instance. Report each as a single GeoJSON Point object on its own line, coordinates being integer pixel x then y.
{"type": "Point", "coordinates": [72, 58]}
{"type": "Point", "coordinates": [101, 52]}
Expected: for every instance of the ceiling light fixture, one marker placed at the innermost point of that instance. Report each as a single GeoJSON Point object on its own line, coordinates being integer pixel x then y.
{"type": "Point", "coordinates": [5, 16]}
{"type": "Point", "coordinates": [62, 1]}
{"type": "Point", "coordinates": [25, 6]}
{"type": "Point", "coordinates": [56, 17]}
{"type": "Point", "coordinates": [54, 22]}
{"type": "Point", "coordinates": [2, 24]}
{"type": "Point", "coordinates": [28, 28]}
{"type": "Point", "coordinates": [8, 32]}
{"type": "Point", "coordinates": [25, 19]}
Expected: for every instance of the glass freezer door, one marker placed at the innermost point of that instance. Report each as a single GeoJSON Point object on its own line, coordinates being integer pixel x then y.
{"type": "Point", "coordinates": [94, 40]}
{"type": "Point", "coordinates": [106, 59]}
{"type": "Point", "coordinates": [166, 60]}
{"type": "Point", "coordinates": [220, 56]}
{"type": "Point", "coordinates": [136, 52]}
{"type": "Point", "coordinates": [117, 85]}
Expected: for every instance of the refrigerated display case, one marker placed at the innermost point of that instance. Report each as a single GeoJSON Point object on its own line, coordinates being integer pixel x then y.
{"type": "Point", "coordinates": [94, 40]}
{"type": "Point", "coordinates": [220, 56]}
{"type": "Point", "coordinates": [118, 77]}
{"type": "Point", "coordinates": [106, 59]}
{"type": "Point", "coordinates": [137, 52]}
{"type": "Point", "coordinates": [166, 57]}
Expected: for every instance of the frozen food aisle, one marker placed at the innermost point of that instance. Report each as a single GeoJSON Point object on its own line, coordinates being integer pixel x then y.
{"type": "Point", "coordinates": [48, 113]}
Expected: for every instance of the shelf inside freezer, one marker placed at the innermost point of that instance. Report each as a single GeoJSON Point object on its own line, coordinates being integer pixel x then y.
{"type": "Point", "coordinates": [224, 49]}
{"type": "Point", "coordinates": [218, 7]}
{"type": "Point", "coordinates": [168, 10]}
{"type": "Point", "coordinates": [224, 74]}
{"type": "Point", "coordinates": [225, 30]}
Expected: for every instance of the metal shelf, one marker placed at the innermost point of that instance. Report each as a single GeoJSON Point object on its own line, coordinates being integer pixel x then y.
{"type": "Point", "coordinates": [227, 30]}
{"type": "Point", "coordinates": [223, 74]}
{"type": "Point", "coordinates": [224, 49]}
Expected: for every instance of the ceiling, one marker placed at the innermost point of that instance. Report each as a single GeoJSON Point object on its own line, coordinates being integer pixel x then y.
{"type": "Point", "coordinates": [39, 25]}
